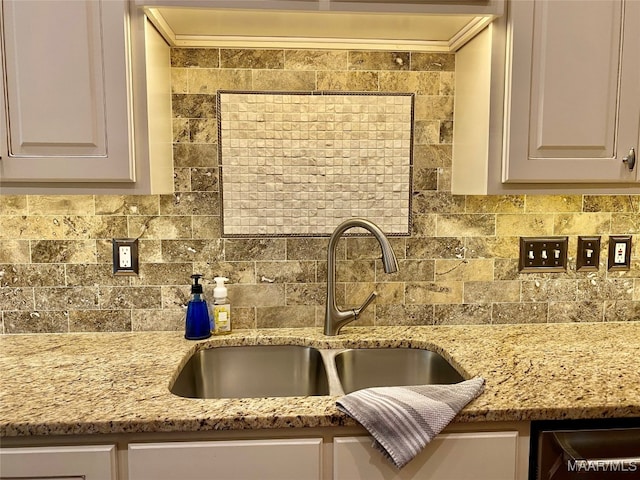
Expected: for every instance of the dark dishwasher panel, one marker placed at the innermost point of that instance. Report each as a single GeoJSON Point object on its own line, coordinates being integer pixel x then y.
{"type": "Point", "coordinates": [585, 450]}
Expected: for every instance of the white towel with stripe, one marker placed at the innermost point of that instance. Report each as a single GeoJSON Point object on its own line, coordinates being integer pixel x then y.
{"type": "Point", "coordinates": [403, 420]}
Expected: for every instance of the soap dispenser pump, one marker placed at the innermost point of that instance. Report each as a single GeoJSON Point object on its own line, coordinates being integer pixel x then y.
{"type": "Point", "coordinates": [198, 324]}
{"type": "Point", "coordinates": [221, 307]}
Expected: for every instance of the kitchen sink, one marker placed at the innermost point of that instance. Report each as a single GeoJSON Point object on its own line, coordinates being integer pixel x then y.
{"type": "Point", "coordinates": [384, 367]}
{"type": "Point", "coordinates": [253, 371]}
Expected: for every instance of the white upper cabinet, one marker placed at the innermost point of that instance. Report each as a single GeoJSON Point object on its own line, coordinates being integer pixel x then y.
{"type": "Point", "coordinates": [68, 98]}
{"type": "Point", "coordinates": [566, 111]}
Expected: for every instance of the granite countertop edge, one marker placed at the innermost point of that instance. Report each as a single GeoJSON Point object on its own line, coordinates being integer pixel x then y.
{"type": "Point", "coordinates": [101, 383]}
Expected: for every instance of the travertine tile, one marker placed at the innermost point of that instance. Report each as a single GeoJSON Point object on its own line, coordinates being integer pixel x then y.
{"type": "Point", "coordinates": [387, 293]}
{"type": "Point", "coordinates": [61, 205]}
{"type": "Point", "coordinates": [465, 270]}
{"type": "Point", "coordinates": [193, 105]}
{"type": "Point", "coordinates": [553, 203]}
{"type": "Point", "coordinates": [446, 131]}
{"type": "Point", "coordinates": [524, 225]}
{"type": "Point", "coordinates": [467, 225]}
{"type": "Point", "coordinates": [160, 227]}
{"type": "Point", "coordinates": [130, 297]}
{"type": "Point", "coordinates": [348, 81]}
{"type": "Point", "coordinates": [14, 251]}
{"type": "Point", "coordinates": [425, 179]}
{"type": "Point", "coordinates": [210, 81]}
{"type": "Point", "coordinates": [423, 225]}
{"type": "Point", "coordinates": [195, 155]}
{"type": "Point", "coordinates": [312, 294]}
{"type": "Point", "coordinates": [422, 83]}
{"type": "Point", "coordinates": [17, 275]}
{"type": "Point", "coordinates": [127, 205]}
{"type": "Point", "coordinates": [359, 248]}
{"type": "Point", "coordinates": [491, 292]}
{"type": "Point", "coordinates": [66, 298]}
{"type": "Point", "coordinates": [263, 295]}
{"type": "Point", "coordinates": [519, 313]}
{"type": "Point", "coordinates": [545, 290]}
{"type": "Point", "coordinates": [312, 248]}
{"type": "Point", "coordinates": [433, 107]}
{"type": "Point", "coordinates": [492, 247]}
{"type": "Point", "coordinates": [463, 314]}
{"type": "Point", "coordinates": [206, 227]}
{"type": "Point", "coordinates": [434, 292]}
{"type": "Point", "coordinates": [575, 312]}
{"type": "Point", "coordinates": [181, 180]}
{"type": "Point", "coordinates": [13, 205]}
{"type": "Point", "coordinates": [355, 271]}
{"type": "Point", "coordinates": [625, 223]}
{"type": "Point", "coordinates": [203, 130]}
{"type": "Point", "coordinates": [100, 321]}
{"type": "Point", "coordinates": [437, 202]}
{"type": "Point", "coordinates": [289, 80]}
{"type": "Point", "coordinates": [582, 223]}
{"type": "Point", "coordinates": [78, 275]}
{"type": "Point", "coordinates": [404, 315]}
{"type": "Point", "coordinates": [286, 272]}
{"type": "Point", "coordinates": [36, 322]}
{"type": "Point", "coordinates": [432, 156]}
{"type": "Point", "coordinates": [378, 60]}
{"type": "Point", "coordinates": [239, 249]}
{"type": "Point", "coordinates": [620, 311]}
{"type": "Point", "coordinates": [441, 247]}
{"type": "Point", "coordinates": [495, 203]}
{"type": "Point", "coordinates": [426, 132]}
{"type": "Point", "coordinates": [601, 289]}
{"type": "Point", "coordinates": [204, 179]}
{"type": "Point", "coordinates": [253, 59]}
{"type": "Point", "coordinates": [157, 320]}
{"type": "Point", "coordinates": [179, 80]}
{"type": "Point", "coordinates": [285, 316]}
{"type": "Point", "coordinates": [447, 83]}
{"type": "Point", "coordinates": [195, 57]}
{"type": "Point", "coordinates": [408, 271]}
{"type": "Point", "coordinates": [163, 274]}
{"type": "Point", "coordinates": [434, 62]}
{"type": "Point", "coordinates": [63, 251]}
{"type": "Point", "coordinates": [18, 298]}
{"type": "Point", "coordinates": [236, 272]}
{"type": "Point", "coordinates": [315, 60]}
{"type": "Point", "coordinates": [611, 203]}
{"type": "Point", "coordinates": [180, 130]}
{"type": "Point", "coordinates": [192, 250]}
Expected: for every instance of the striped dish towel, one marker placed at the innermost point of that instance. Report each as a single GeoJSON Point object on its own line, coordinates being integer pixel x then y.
{"type": "Point", "coordinates": [403, 420]}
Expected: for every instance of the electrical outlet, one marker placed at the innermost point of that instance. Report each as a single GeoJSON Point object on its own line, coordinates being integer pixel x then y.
{"type": "Point", "coordinates": [543, 254]}
{"type": "Point", "coordinates": [619, 252]}
{"type": "Point", "coordinates": [125, 256]}
{"type": "Point", "coordinates": [588, 258]}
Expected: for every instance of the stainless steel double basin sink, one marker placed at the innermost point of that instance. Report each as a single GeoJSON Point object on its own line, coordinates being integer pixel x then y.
{"type": "Point", "coordinates": [292, 370]}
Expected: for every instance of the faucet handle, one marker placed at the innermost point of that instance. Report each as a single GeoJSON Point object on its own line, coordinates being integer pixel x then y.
{"type": "Point", "coordinates": [372, 296]}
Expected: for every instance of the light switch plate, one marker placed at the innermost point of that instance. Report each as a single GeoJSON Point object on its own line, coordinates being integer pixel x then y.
{"type": "Point", "coordinates": [588, 258]}
{"type": "Point", "coordinates": [619, 253]}
{"type": "Point", "coordinates": [543, 254]}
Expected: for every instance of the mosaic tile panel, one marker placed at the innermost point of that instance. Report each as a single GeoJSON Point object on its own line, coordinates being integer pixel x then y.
{"type": "Point", "coordinates": [300, 163]}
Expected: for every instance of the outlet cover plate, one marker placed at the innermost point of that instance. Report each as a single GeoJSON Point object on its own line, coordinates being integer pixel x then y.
{"type": "Point", "coordinates": [538, 254]}
{"type": "Point", "coordinates": [616, 241]}
{"type": "Point", "coordinates": [132, 243]}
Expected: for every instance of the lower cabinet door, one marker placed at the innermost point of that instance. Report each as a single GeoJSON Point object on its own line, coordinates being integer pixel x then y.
{"type": "Point", "coordinates": [451, 456]}
{"type": "Point", "coordinates": [298, 459]}
{"type": "Point", "coordinates": [92, 462]}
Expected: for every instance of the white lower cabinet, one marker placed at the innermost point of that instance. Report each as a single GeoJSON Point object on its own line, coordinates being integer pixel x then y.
{"type": "Point", "coordinates": [451, 456]}
{"type": "Point", "coordinates": [90, 462]}
{"type": "Point", "coordinates": [296, 459]}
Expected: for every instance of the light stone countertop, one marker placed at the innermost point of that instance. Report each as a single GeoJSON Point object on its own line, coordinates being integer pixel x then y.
{"type": "Point", "coordinates": [89, 383]}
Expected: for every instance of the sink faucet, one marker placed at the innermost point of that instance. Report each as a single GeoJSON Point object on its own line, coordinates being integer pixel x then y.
{"type": "Point", "coordinates": [334, 318]}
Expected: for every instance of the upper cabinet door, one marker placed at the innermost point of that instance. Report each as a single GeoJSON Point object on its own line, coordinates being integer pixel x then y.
{"type": "Point", "coordinates": [573, 109]}
{"type": "Point", "coordinates": [66, 92]}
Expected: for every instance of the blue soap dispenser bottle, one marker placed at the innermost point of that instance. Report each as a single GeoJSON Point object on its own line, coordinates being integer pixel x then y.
{"type": "Point", "coordinates": [198, 323]}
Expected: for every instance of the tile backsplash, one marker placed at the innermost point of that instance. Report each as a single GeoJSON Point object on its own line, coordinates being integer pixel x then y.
{"type": "Point", "coordinates": [458, 266]}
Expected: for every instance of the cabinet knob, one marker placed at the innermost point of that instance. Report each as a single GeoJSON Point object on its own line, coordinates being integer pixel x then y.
{"type": "Point", "coordinates": [630, 159]}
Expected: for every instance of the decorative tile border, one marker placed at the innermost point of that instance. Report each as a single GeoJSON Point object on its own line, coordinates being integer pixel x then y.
{"type": "Point", "coordinates": [299, 163]}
